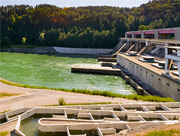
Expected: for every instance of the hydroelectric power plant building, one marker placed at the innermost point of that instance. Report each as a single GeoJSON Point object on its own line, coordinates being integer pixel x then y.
{"type": "Point", "coordinates": [167, 33]}
{"type": "Point", "coordinates": [153, 58]}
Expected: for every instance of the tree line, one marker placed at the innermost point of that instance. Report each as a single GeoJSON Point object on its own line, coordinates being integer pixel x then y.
{"type": "Point", "coordinates": [90, 27]}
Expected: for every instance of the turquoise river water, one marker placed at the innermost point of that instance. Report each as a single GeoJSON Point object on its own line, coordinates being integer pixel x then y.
{"type": "Point", "coordinates": [55, 71]}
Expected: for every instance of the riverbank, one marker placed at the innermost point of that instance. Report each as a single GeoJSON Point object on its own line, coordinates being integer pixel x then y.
{"type": "Point", "coordinates": [40, 97]}
{"type": "Point", "coordinates": [56, 50]}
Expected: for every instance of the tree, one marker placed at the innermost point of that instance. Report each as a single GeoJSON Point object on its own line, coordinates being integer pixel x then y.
{"type": "Point", "coordinates": [23, 40]}
{"type": "Point", "coordinates": [142, 27]}
{"type": "Point", "coordinates": [156, 24]}
{"type": "Point", "coordinates": [11, 19]}
{"type": "Point", "coordinates": [41, 38]}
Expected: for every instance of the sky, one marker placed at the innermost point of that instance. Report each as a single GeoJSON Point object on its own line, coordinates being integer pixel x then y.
{"type": "Point", "coordinates": [76, 3]}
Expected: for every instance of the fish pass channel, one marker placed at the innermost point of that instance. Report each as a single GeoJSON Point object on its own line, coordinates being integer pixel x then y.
{"type": "Point", "coordinates": [54, 71]}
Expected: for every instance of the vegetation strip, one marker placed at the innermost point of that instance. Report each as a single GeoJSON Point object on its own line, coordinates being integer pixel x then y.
{"type": "Point", "coordinates": [171, 132]}
{"type": "Point", "coordinates": [62, 101]}
{"type": "Point", "coordinates": [96, 92]}
{"type": "Point", "coordinates": [3, 133]}
{"type": "Point", "coordinates": [90, 26]}
{"type": "Point", "coordinates": [7, 94]}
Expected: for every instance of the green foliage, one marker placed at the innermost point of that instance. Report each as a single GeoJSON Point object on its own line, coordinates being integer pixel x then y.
{"type": "Point", "coordinates": [61, 101]}
{"type": "Point", "coordinates": [172, 132]}
{"type": "Point", "coordinates": [91, 26]}
{"type": "Point", "coordinates": [23, 40]}
{"type": "Point", "coordinates": [156, 24]}
{"type": "Point", "coordinates": [97, 92]}
{"type": "Point", "coordinates": [7, 94]}
{"type": "Point", "coordinates": [142, 27]}
{"type": "Point", "coordinates": [3, 133]}
{"type": "Point", "coordinates": [94, 103]}
{"type": "Point", "coordinates": [11, 19]}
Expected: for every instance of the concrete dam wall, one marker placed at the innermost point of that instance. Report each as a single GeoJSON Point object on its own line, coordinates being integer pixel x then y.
{"type": "Point", "coordinates": [81, 50]}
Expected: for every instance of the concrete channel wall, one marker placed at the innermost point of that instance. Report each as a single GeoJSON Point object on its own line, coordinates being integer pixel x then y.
{"type": "Point", "coordinates": [65, 50]}
{"type": "Point", "coordinates": [96, 70]}
{"type": "Point", "coordinates": [160, 83]}
{"type": "Point", "coordinates": [105, 125]}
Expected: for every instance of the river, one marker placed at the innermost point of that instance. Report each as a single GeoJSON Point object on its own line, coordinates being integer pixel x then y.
{"type": "Point", "coordinates": [53, 70]}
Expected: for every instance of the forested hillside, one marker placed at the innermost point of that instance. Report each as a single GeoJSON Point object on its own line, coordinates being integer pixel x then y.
{"type": "Point", "coordinates": [91, 27]}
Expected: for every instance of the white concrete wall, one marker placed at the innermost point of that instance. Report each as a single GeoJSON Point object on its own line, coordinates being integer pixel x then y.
{"type": "Point", "coordinates": [81, 50]}
{"type": "Point", "coordinates": [162, 84]}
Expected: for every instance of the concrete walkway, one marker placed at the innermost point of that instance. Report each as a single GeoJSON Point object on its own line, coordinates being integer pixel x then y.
{"type": "Point", "coordinates": [40, 97]}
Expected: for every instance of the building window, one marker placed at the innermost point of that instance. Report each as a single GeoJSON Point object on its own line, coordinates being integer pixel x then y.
{"type": "Point", "coordinates": [146, 72]}
{"type": "Point", "coordinates": [168, 84]}
{"type": "Point", "coordinates": [141, 69]}
{"type": "Point", "coordinates": [152, 75]}
{"type": "Point", "coordinates": [159, 79]}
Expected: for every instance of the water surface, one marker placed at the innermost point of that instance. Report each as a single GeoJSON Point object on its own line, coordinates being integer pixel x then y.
{"type": "Point", "coordinates": [55, 71]}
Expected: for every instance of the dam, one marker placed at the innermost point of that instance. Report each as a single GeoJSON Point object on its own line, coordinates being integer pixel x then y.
{"type": "Point", "coordinates": [152, 66]}
{"type": "Point", "coordinates": [154, 61]}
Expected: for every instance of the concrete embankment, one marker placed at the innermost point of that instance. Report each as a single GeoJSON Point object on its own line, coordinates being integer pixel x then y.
{"type": "Point", "coordinates": [57, 50]}
{"type": "Point", "coordinates": [142, 88]}
{"type": "Point", "coordinates": [107, 71]}
{"type": "Point", "coordinates": [38, 50]}
{"type": "Point", "coordinates": [82, 51]}
{"type": "Point", "coordinates": [107, 59]}
{"type": "Point", "coordinates": [106, 64]}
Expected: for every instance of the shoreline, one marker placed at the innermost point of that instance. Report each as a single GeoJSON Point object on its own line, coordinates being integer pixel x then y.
{"type": "Point", "coordinates": [40, 97]}
{"type": "Point", "coordinates": [104, 94]}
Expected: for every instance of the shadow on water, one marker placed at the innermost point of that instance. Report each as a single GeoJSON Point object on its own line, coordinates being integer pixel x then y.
{"type": "Point", "coordinates": [88, 133]}
{"type": "Point", "coordinates": [3, 120]}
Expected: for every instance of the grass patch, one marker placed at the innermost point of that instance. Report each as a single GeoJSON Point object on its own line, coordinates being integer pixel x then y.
{"type": "Point", "coordinates": [4, 112]}
{"type": "Point", "coordinates": [97, 92]}
{"type": "Point", "coordinates": [171, 132]}
{"type": "Point", "coordinates": [94, 103]}
{"type": "Point", "coordinates": [3, 133]}
{"type": "Point", "coordinates": [7, 94]}
{"type": "Point", "coordinates": [62, 101]}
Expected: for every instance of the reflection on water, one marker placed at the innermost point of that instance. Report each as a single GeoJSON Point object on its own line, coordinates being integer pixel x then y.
{"type": "Point", "coordinates": [55, 71]}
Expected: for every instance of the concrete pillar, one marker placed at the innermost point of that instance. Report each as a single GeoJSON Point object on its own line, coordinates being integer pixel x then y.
{"type": "Point", "coordinates": [127, 79]}
{"type": "Point", "coordinates": [140, 91]}
{"type": "Point", "coordinates": [166, 66]}
{"type": "Point", "coordinates": [156, 34]}
{"type": "Point", "coordinates": [178, 63]}
{"type": "Point", "coordinates": [166, 60]}
{"type": "Point", "coordinates": [126, 36]}
{"type": "Point", "coordinates": [140, 45]}
{"type": "Point", "coordinates": [177, 34]}
{"type": "Point", "coordinates": [133, 36]}
{"type": "Point", "coordinates": [142, 35]}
